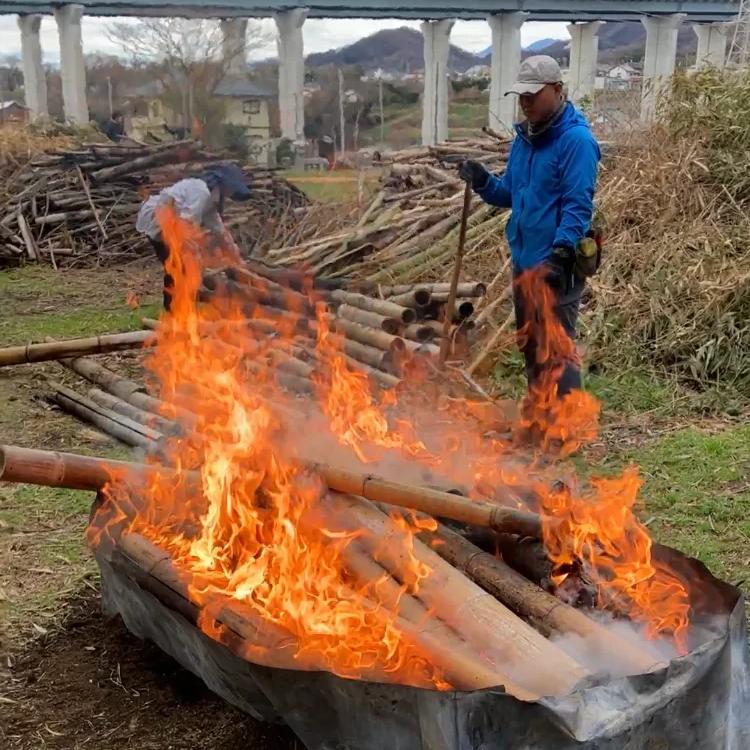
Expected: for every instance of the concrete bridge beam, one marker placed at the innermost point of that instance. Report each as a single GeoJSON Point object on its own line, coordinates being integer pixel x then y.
{"type": "Point", "coordinates": [659, 60]}
{"type": "Point", "coordinates": [584, 50]}
{"type": "Point", "coordinates": [34, 78]}
{"type": "Point", "coordinates": [435, 97]}
{"type": "Point", "coordinates": [72, 67]}
{"type": "Point", "coordinates": [506, 58]}
{"type": "Point", "coordinates": [234, 45]}
{"type": "Point", "coordinates": [291, 73]}
{"type": "Point", "coordinates": [712, 44]}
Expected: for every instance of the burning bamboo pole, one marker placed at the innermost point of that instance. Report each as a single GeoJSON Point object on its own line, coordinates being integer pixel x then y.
{"type": "Point", "coordinates": [546, 612]}
{"type": "Point", "coordinates": [73, 471]}
{"type": "Point", "coordinates": [432, 502]}
{"type": "Point", "coordinates": [16, 355]}
{"type": "Point", "coordinates": [265, 642]}
{"type": "Point", "coordinates": [516, 649]}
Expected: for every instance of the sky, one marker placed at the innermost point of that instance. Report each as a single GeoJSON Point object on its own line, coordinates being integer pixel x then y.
{"type": "Point", "coordinates": [320, 35]}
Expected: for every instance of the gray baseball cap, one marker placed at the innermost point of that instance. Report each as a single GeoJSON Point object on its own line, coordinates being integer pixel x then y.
{"type": "Point", "coordinates": [535, 73]}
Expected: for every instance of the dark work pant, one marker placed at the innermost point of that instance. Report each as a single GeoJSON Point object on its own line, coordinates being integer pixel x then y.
{"type": "Point", "coordinates": [162, 253]}
{"type": "Point", "coordinates": [566, 312]}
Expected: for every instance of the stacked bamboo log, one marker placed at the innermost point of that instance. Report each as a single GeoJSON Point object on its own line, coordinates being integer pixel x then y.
{"type": "Point", "coordinates": [410, 227]}
{"type": "Point", "coordinates": [84, 201]}
{"type": "Point", "coordinates": [476, 618]}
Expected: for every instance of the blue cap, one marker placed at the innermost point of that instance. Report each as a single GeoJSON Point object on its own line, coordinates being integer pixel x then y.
{"type": "Point", "coordinates": [231, 180]}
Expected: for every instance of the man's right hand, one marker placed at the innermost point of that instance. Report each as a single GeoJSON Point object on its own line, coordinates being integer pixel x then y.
{"type": "Point", "coordinates": [474, 173]}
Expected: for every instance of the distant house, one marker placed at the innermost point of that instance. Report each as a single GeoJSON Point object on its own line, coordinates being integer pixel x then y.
{"type": "Point", "coordinates": [245, 106]}
{"type": "Point", "coordinates": [623, 77]}
{"type": "Point", "coordinates": [13, 113]}
{"type": "Point", "coordinates": [478, 71]}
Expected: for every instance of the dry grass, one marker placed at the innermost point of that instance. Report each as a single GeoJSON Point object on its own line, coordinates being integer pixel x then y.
{"type": "Point", "coordinates": [674, 291]}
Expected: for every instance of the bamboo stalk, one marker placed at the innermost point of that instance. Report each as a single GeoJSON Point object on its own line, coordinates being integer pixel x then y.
{"type": "Point", "coordinates": [386, 308]}
{"type": "Point", "coordinates": [267, 643]}
{"type": "Point", "coordinates": [433, 502]}
{"type": "Point", "coordinates": [371, 319]}
{"type": "Point", "coordinates": [415, 298]}
{"type": "Point", "coordinates": [445, 342]}
{"type": "Point", "coordinates": [16, 355]}
{"type": "Point", "coordinates": [114, 424]}
{"type": "Point", "coordinates": [533, 667]}
{"type": "Point", "coordinates": [72, 471]}
{"type": "Point", "coordinates": [366, 335]}
{"type": "Point", "coordinates": [108, 401]}
{"type": "Point", "coordinates": [418, 332]}
{"type": "Point", "coordinates": [545, 612]}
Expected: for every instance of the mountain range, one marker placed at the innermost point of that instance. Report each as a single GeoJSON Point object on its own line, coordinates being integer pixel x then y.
{"type": "Point", "coordinates": [401, 50]}
{"type": "Point", "coordinates": [622, 41]}
{"type": "Point", "coordinates": [397, 50]}
{"type": "Point", "coordinates": [536, 46]}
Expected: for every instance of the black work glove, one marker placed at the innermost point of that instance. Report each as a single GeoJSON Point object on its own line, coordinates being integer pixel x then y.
{"type": "Point", "coordinates": [474, 173]}
{"type": "Point", "coordinates": [559, 268]}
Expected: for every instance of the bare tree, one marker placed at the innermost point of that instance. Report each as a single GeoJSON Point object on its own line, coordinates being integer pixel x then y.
{"type": "Point", "coordinates": [191, 52]}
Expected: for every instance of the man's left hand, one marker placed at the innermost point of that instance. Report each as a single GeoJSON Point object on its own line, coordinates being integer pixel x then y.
{"type": "Point", "coordinates": [560, 269]}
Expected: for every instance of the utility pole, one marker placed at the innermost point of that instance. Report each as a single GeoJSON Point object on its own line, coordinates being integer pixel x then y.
{"type": "Point", "coordinates": [382, 119]}
{"type": "Point", "coordinates": [341, 111]}
{"type": "Point", "coordinates": [109, 97]}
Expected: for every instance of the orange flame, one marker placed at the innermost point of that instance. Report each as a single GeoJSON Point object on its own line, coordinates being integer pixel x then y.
{"type": "Point", "coordinates": [596, 525]}
{"type": "Point", "coordinates": [259, 531]}
{"type": "Point", "coordinates": [260, 537]}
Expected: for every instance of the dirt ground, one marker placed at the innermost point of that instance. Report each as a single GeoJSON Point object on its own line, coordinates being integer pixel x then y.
{"type": "Point", "coordinates": [89, 683]}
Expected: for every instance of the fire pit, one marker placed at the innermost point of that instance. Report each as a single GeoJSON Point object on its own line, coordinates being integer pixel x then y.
{"type": "Point", "coordinates": [252, 667]}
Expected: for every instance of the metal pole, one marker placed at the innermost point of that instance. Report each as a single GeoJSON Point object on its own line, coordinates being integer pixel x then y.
{"type": "Point", "coordinates": [341, 112]}
{"type": "Point", "coordinates": [382, 120]}
{"type": "Point", "coordinates": [450, 307]}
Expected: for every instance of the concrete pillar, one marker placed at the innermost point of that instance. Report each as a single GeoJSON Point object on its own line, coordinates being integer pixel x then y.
{"type": "Point", "coordinates": [506, 57]}
{"type": "Point", "coordinates": [584, 50]}
{"type": "Point", "coordinates": [234, 45]}
{"type": "Point", "coordinates": [712, 44]}
{"type": "Point", "coordinates": [291, 73]}
{"type": "Point", "coordinates": [659, 60]}
{"type": "Point", "coordinates": [437, 43]}
{"type": "Point", "coordinates": [72, 68]}
{"type": "Point", "coordinates": [34, 78]}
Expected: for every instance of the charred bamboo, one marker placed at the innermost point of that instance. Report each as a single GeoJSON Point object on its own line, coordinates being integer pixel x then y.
{"type": "Point", "coordinates": [537, 667]}
{"type": "Point", "coordinates": [546, 612]}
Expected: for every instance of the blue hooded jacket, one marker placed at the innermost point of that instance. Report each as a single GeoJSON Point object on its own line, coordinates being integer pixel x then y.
{"type": "Point", "coordinates": [549, 185]}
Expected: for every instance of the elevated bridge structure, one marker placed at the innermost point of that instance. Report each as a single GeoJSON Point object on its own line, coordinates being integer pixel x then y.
{"type": "Point", "coordinates": [661, 19]}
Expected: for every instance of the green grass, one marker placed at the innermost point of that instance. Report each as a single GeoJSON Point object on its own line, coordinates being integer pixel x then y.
{"type": "Point", "coordinates": [88, 321]}
{"type": "Point", "coordinates": [43, 555]}
{"type": "Point", "coordinates": [334, 187]}
{"type": "Point", "coordinates": [697, 493]}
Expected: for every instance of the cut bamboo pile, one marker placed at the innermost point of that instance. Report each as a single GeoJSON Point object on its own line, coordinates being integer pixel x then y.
{"type": "Point", "coordinates": [83, 202]}
{"type": "Point", "coordinates": [381, 327]}
{"type": "Point", "coordinates": [411, 225]}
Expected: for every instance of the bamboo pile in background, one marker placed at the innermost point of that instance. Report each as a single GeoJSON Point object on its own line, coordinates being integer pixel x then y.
{"type": "Point", "coordinates": [83, 202]}
{"type": "Point", "coordinates": [410, 227]}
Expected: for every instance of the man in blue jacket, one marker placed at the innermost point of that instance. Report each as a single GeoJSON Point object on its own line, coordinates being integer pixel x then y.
{"type": "Point", "coordinates": [549, 185]}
